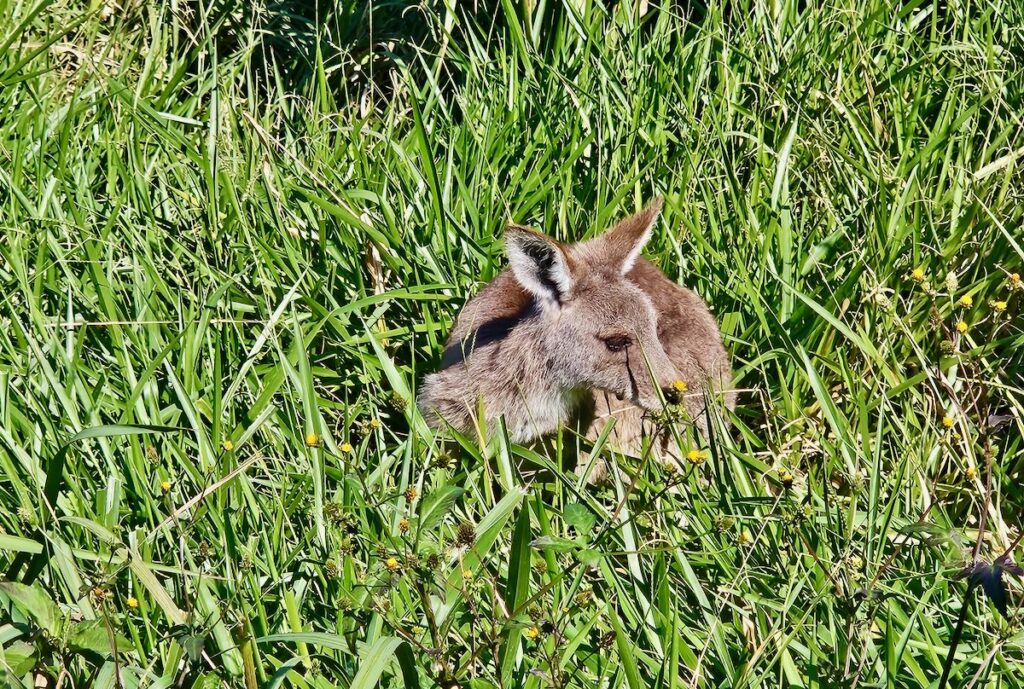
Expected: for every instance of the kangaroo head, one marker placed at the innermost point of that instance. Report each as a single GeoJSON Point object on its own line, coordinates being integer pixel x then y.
{"type": "Point", "coordinates": [594, 327]}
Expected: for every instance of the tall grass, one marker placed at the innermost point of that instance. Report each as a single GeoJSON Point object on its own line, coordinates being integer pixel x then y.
{"type": "Point", "coordinates": [234, 239]}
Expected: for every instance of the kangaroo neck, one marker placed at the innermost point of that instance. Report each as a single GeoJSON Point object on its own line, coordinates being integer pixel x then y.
{"type": "Point", "coordinates": [529, 394]}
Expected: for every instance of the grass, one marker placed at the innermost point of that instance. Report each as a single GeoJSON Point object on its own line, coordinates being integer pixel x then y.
{"type": "Point", "coordinates": [235, 237]}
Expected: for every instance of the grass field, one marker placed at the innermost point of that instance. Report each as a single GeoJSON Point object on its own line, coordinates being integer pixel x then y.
{"type": "Point", "coordinates": [235, 237]}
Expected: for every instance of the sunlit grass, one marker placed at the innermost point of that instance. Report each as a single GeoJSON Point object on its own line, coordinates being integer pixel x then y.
{"type": "Point", "coordinates": [234, 241]}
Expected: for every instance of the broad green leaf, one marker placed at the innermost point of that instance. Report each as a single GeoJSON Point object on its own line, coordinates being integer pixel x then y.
{"type": "Point", "coordinates": [374, 660]}
{"type": "Point", "coordinates": [437, 504]}
{"type": "Point", "coordinates": [93, 635]}
{"type": "Point", "coordinates": [32, 601]}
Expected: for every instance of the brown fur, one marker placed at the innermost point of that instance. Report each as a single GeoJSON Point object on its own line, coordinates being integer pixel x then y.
{"type": "Point", "coordinates": [535, 345]}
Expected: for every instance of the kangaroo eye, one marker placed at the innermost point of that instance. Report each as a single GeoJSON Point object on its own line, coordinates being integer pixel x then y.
{"type": "Point", "coordinates": [616, 343]}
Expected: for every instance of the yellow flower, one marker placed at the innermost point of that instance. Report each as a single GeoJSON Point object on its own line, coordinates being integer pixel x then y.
{"type": "Point", "coordinates": [696, 456]}
{"type": "Point", "coordinates": [410, 493]}
{"type": "Point", "coordinates": [165, 486]}
{"type": "Point", "coordinates": [374, 423]}
{"type": "Point", "coordinates": [312, 440]}
{"type": "Point", "coordinates": [787, 479]}
{"type": "Point", "coordinates": [1015, 279]}
{"type": "Point", "coordinates": [745, 538]}
{"type": "Point", "coordinates": [346, 448]}
{"type": "Point", "coordinates": [403, 525]}
{"type": "Point", "coordinates": [228, 445]}
{"type": "Point", "coordinates": [967, 300]}
{"type": "Point", "coordinates": [391, 564]}
{"type": "Point", "coordinates": [961, 327]}
{"type": "Point", "coordinates": [532, 633]}
{"type": "Point", "coordinates": [917, 274]}
{"type": "Point", "coordinates": [947, 421]}
{"type": "Point", "coordinates": [999, 305]}
{"type": "Point", "coordinates": [132, 602]}
{"type": "Point", "coordinates": [971, 473]}
{"type": "Point", "coordinates": [467, 574]}
{"type": "Point", "coordinates": [679, 386]}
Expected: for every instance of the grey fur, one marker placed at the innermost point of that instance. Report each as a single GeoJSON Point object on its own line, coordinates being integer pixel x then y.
{"type": "Point", "coordinates": [533, 345]}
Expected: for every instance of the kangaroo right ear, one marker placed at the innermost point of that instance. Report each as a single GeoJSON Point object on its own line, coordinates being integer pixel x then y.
{"type": "Point", "coordinates": [539, 264]}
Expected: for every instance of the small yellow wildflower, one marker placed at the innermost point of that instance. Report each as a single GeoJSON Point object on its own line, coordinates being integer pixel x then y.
{"type": "Point", "coordinates": [391, 564]}
{"type": "Point", "coordinates": [971, 473]}
{"type": "Point", "coordinates": [787, 479]}
{"type": "Point", "coordinates": [532, 633]}
{"type": "Point", "coordinates": [745, 538]}
{"type": "Point", "coordinates": [374, 423]}
{"type": "Point", "coordinates": [999, 305]}
{"type": "Point", "coordinates": [967, 300]}
{"type": "Point", "coordinates": [917, 274]}
{"type": "Point", "coordinates": [467, 574]}
{"type": "Point", "coordinates": [961, 327]}
{"type": "Point", "coordinates": [345, 447]}
{"type": "Point", "coordinates": [679, 386]}
{"type": "Point", "coordinates": [312, 440]}
{"type": "Point", "coordinates": [403, 525]}
{"type": "Point", "coordinates": [132, 602]}
{"type": "Point", "coordinates": [411, 493]}
{"type": "Point", "coordinates": [165, 486]}
{"type": "Point", "coordinates": [947, 421]}
{"type": "Point", "coordinates": [1015, 279]}
{"type": "Point", "coordinates": [696, 456]}
{"type": "Point", "coordinates": [228, 446]}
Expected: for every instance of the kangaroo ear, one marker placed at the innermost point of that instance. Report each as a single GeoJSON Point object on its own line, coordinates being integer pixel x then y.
{"type": "Point", "coordinates": [539, 264]}
{"type": "Point", "coordinates": [623, 243]}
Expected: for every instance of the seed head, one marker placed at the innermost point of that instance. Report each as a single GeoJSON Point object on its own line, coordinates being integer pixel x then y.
{"type": "Point", "coordinates": [465, 535]}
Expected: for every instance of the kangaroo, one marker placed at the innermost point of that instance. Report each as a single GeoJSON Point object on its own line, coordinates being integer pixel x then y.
{"type": "Point", "coordinates": [575, 335]}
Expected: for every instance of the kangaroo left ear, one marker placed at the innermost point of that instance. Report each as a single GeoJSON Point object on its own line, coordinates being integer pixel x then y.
{"type": "Point", "coordinates": [539, 264]}
{"type": "Point", "coordinates": [624, 242]}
